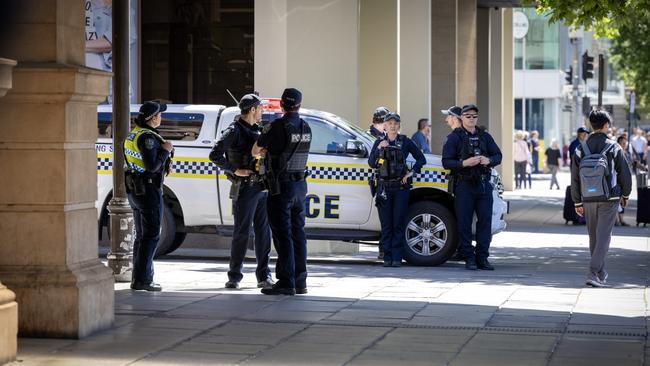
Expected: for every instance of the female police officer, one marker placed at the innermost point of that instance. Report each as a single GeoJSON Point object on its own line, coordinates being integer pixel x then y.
{"type": "Point", "coordinates": [148, 161]}
{"type": "Point", "coordinates": [388, 157]}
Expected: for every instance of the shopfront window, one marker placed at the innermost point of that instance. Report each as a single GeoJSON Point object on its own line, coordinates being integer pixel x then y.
{"type": "Point", "coordinates": [542, 43]}
{"type": "Point", "coordinates": [540, 116]}
{"type": "Point", "coordinates": [193, 50]}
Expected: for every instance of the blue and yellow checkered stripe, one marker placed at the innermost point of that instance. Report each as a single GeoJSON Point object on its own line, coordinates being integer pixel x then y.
{"type": "Point", "coordinates": [331, 173]}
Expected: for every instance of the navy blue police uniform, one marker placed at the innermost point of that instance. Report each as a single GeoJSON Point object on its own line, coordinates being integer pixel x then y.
{"type": "Point", "coordinates": [392, 195]}
{"type": "Point", "coordinates": [473, 190]}
{"type": "Point", "coordinates": [287, 141]}
{"type": "Point", "coordinates": [231, 152]}
{"type": "Point", "coordinates": [147, 164]}
{"type": "Point", "coordinates": [377, 117]}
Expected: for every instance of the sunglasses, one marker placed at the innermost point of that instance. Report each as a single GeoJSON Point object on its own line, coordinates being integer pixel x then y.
{"type": "Point", "coordinates": [470, 116]}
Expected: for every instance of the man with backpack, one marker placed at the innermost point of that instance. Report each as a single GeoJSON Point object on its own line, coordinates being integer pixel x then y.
{"type": "Point", "coordinates": [600, 180]}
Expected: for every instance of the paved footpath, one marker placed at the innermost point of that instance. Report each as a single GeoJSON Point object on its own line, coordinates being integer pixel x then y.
{"type": "Point", "coordinates": [533, 310]}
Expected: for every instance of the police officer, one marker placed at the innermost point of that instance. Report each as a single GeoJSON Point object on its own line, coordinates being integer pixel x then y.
{"type": "Point", "coordinates": [232, 154]}
{"type": "Point", "coordinates": [470, 152]}
{"type": "Point", "coordinates": [377, 131]}
{"type": "Point", "coordinates": [148, 158]}
{"type": "Point", "coordinates": [286, 141]}
{"type": "Point", "coordinates": [377, 127]}
{"type": "Point", "coordinates": [388, 156]}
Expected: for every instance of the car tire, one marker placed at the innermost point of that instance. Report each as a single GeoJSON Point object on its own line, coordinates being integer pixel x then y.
{"type": "Point", "coordinates": [431, 234]}
{"type": "Point", "coordinates": [167, 234]}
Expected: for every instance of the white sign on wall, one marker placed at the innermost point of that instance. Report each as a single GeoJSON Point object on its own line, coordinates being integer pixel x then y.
{"type": "Point", "coordinates": [520, 24]}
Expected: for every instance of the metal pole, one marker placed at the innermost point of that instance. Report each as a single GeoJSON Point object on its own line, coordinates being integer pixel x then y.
{"type": "Point", "coordinates": [601, 79]}
{"type": "Point", "coordinates": [576, 110]}
{"type": "Point", "coordinates": [523, 79]}
{"type": "Point", "coordinates": [121, 217]}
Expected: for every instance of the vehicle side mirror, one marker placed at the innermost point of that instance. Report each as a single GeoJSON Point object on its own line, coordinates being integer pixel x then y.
{"type": "Point", "coordinates": [355, 148]}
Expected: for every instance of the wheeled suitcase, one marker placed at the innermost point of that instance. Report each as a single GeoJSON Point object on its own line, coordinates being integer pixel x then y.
{"type": "Point", "coordinates": [643, 206]}
{"type": "Point", "coordinates": [570, 210]}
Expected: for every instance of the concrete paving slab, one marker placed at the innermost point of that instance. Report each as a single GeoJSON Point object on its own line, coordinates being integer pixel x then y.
{"type": "Point", "coordinates": [500, 358]}
{"type": "Point", "coordinates": [167, 358]}
{"type": "Point", "coordinates": [373, 357]}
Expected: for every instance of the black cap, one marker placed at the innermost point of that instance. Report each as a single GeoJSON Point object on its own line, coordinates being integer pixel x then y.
{"type": "Point", "coordinates": [291, 97]}
{"type": "Point", "coordinates": [469, 107]}
{"type": "Point", "coordinates": [151, 108]}
{"type": "Point", "coordinates": [582, 130]}
{"type": "Point", "coordinates": [454, 110]}
{"type": "Point", "coordinates": [379, 114]}
{"type": "Point", "coordinates": [392, 115]}
{"type": "Point", "coordinates": [250, 101]}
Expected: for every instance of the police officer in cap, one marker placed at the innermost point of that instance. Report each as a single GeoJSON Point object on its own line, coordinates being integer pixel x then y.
{"type": "Point", "coordinates": [388, 156]}
{"type": "Point", "coordinates": [470, 153]}
{"type": "Point", "coordinates": [148, 159]}
{"type": "Point", "coordinates": [286, 143]}
{"type": "Point", "coordinates": [232, 154]}
{"type": "Point", "coordinates": [377, 127]}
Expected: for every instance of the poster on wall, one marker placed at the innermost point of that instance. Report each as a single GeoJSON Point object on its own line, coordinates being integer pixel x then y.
{"type": "Point", "coordinates": [99, 42]}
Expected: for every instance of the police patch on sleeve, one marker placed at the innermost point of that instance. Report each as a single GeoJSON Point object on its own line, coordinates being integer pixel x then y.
{"type": "Point", "coordinates": [266, 128]}
{"type": "Point", "coordinates": [149, 143]}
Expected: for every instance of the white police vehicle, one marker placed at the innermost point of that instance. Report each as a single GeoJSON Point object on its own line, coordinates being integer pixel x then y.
{"type": "Point", "coordinates": [339, 205]}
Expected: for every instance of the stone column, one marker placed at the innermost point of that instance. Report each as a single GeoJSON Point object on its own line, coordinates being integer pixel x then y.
{"type": "Point", "coordinates": [49, 254]}
{"type": "Point", "coordinates": [453, 60]}
{"type": "Point", "coordinates": [377, 57]}
{"type": "Point", "coordinates": [8, 307]}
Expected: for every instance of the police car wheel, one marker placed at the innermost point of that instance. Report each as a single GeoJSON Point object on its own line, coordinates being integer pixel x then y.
{"type": "Point", "coordinates": [167, 234]}
{"type": "Point", "coordinates": [431, 237]}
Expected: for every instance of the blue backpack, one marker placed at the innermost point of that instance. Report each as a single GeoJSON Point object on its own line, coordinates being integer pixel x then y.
{"type": "Point", "coordinates": [595, 173]}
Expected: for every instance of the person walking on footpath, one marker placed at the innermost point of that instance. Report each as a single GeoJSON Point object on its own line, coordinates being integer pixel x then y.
{"type": "Point", "coordinates": [470, 153]}
{"type": "Point", "coordinates": [148, 160]}
{"type": "Point", "coordinates": [600, 181]}
{"type": "Point", "coordinates": [553, 161]}
{"type": "Point", "coordinates": [232, 154]}
{"type": "Point", "coordinates": [422, 137]}
{"type": "Point", "coordinates": [534, 150]}
{"type": "Point", "coordinates": [522, 157]}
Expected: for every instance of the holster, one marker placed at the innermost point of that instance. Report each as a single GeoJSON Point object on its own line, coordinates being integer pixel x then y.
{"type": "Point", "coordinates": [134, 183]}
{"type": "Point", "coordinates": [235, 186]}
{"type": "Point", "coordinates": [451, 183]}
{"type": "Point", "coordinates": [272, 183]}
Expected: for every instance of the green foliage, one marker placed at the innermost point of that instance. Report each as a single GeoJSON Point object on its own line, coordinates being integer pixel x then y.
{"type": "Point", "coordinates": [631, 57]}
{"type": "Point", "coordinates": [604, 17]}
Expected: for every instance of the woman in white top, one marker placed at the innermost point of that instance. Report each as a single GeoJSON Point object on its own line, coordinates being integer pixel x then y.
{"type": "Point", "coordinates": [522, 156]}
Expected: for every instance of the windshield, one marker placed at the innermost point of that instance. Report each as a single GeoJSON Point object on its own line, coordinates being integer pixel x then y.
{"type": "Point", "coordinates": [362, 135]}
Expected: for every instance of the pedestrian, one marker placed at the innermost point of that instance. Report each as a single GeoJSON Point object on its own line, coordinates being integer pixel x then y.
{"type": "Point", "coordinates": [581, 135]}
{"type": "Point", "coordinates": [553, 162]}
{"type": "Point", "coordinates": [639, 143]}
{"type": "Point", "coordinates": [470, 153]}
{"type": "Point", "coordinates": [388, 156]}
{"type": "Point", "coordinates": [534, 150]}
{"type": "Point", "coordinates": [232, 154]}
{"type": "Point", "coordinates": [377, 127]}
{"type": "Point", "coordinates": [600, 181]}
{"type": "Point", "coordinates": [522, 156]}
{"type": "Point", "coordinates": [286, 142]}
{"type": "Point", "coordinates": [422, 137]}
{"type": "Point", "coordinates": [148, 160]}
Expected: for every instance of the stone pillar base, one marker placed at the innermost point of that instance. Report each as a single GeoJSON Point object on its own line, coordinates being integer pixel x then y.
{"type": "Point", "coordinates": [8, 325]}
{"type": "Point", "coordinates": [60, 301]}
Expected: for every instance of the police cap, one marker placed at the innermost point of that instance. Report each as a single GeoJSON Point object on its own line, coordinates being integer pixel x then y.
{"type": "Point", "coordinates": [454, 110]}
{"type": "Point", "coordinates": [150, 109]}
{"type": "Point", "coordinates": [393, 116]}
{"type": "Point", "coordinates": [250, 101]}
{"type": "Point", "coordinates": [582, 130]}
{"type": "Point", "coordinates": [291, 97]}
{"type": "Point", "coordinates": [469, 107]}
{"type": "Point", "coordinates": [379, 114]}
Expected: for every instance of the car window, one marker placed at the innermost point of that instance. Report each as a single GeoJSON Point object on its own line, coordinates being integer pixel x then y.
{"type": "Point", "coordinates": [174, 126]}
{"type": "Point", "coordinates": [327, 138]}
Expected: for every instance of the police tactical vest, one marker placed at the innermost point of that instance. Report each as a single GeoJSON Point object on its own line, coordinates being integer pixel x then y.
{"type": "Point", "coordinates": [239, 153]}
{"type": "Point", "coordinates": [296, 152]}
{"type": "Point", "coordinates": [132, 151]}
{"type": "Point", "coordinates": [392, 162]}
{"type": "Point", "coordinates": [472, 145]}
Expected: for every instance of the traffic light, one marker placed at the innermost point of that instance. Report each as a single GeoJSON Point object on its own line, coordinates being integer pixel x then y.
{"type": "Point", "coordinates": [587, 66]}
{"type": "Point", "coordinates": [569, 75]}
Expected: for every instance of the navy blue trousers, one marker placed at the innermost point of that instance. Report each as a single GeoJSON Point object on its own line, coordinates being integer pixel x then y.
{"type": "Point", "coordinates": [250, 208]}
{"type": "Point", "coordinates": [392, 216]}
{"type": "Point", "coordinates": [287, 218]}
{"type": "Point", "coordinates": [147, 216]}
{"type": "Point", "coordinates": [473, 198]}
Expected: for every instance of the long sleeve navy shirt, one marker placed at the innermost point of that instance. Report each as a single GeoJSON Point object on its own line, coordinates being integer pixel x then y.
{"type": "Point", "coordinates": [240, 136]}
{"type": "Point", "coordinates": [154, 156]}
{"type": "Point", "coordinates": [408, 147]}
{"type": "Point", "coordinates": [453, 149]}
